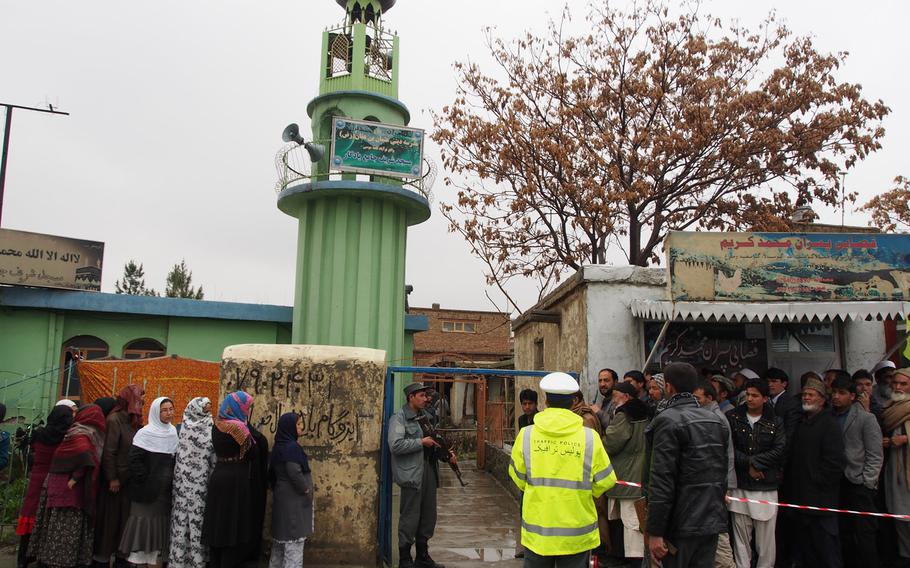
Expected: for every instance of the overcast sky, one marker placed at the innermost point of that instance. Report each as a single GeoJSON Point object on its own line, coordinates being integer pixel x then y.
{"type": "Point", "coordinates": [178, 106]}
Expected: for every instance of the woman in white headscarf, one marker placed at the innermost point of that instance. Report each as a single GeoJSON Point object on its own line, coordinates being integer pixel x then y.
{"type": "Point", "coordinates": [195, 462]}
{"type": "Point", "coordinates": [146, 533]}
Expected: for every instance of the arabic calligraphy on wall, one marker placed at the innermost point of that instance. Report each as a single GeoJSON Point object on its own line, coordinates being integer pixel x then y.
{"type": "Point", "coordinates": [788, 266]}
{"type": "Point", "coordinates": [34, 259]}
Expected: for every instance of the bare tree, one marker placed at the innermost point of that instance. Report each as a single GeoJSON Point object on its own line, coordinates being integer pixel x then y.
{"type": "Point", "coordinates": [650, 123]}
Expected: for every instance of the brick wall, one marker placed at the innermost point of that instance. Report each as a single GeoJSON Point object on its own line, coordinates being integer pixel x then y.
{"type": "Point", "coordinates": [490, 341]}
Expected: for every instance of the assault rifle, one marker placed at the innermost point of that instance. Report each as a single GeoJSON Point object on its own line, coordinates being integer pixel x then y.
{"type": "Point", "coordinates": [444, 452]}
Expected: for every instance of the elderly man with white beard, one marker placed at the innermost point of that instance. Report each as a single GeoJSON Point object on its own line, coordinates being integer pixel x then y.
{"type": "Point", "coordinates": [812, 478]}
{"type": "Point", "coordinates": [897, 470]}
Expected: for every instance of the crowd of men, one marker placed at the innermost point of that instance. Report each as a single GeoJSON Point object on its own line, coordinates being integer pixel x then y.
{"type": "Point", "coordinates": [686, 469]}
{"type": "Point", "coordinates": [702, 459]}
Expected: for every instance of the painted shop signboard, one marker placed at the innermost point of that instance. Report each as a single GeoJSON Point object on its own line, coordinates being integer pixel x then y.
{"type": "Point", "coordinates": [726, 347]}
{"type": "Point", "coordinates": [374, 148]}
{"type": "Point", "coordinates": [788, 266]}
{"type": "Point", "coordinates": [35, 259]}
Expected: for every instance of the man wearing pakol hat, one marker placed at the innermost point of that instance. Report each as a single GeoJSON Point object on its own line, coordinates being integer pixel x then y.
{"type": "Point", "coordinates": [725, 390]}
{"type": "Point", "coordinates": [416, 470]}
{"type": "Point", "coordinates": [814, 469]}
{"type": "Point", "coordinates": [896, 425]}
{"type": "Point", "coordinates": [561, 467]}
{"type": "Point", "coordinates": [624, 440]}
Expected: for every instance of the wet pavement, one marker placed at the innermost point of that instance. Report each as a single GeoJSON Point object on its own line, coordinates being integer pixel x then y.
{"type": "Point", "coordinates": [477, 525]}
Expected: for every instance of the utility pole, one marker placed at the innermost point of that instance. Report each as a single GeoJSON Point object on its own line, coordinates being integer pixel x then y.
{"type": "Point", "coordinates": [6, 129]}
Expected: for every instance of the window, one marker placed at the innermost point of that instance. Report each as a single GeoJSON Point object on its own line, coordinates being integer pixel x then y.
{"type": "Point", "coordinates": [459, 327]}
{"type": "Point", "coordinates": [538, 354]}
{"type": "Point", "coordinates": [143, 349]}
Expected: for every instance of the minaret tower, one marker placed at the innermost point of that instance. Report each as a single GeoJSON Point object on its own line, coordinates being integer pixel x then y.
{"type": "Point", "coordinates": [353, 222]}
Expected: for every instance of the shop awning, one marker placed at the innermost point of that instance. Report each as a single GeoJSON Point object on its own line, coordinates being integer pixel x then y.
{"type": "Point", "coordinates": [666, 310]}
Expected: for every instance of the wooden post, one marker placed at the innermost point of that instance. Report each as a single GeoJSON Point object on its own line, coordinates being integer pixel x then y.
{"type": "Point", "coordinates": [481, 423]}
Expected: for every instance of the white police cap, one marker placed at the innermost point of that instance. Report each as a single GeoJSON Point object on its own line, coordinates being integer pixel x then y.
{"type": "Point", "coordinates": [559, 383]}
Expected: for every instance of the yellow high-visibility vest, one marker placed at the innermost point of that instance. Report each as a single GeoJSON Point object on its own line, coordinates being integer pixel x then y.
{"type": "Point", "coordinates": [561, 467]}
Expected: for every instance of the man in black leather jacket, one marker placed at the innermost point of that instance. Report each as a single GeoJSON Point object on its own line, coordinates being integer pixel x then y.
{"type": "Point", "coordinates": [685, 476]}
{"type": "Point", "coordinates": [759, 442]}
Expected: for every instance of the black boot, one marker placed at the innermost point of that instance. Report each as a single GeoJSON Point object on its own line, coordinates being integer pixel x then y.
{"type": "Point", "coordinates": [404, 556]}
{"type": "Point", "coordinates": [423, 559]}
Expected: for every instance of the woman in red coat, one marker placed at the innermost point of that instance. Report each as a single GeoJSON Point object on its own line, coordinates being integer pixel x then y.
{"type": "Point", "coordinates": [63, 527]}
{"type": "Point", "coordinates": [43, 443]}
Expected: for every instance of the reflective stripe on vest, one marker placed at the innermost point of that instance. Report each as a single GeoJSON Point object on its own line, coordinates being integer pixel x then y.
{"type": "Point", "coordinates": [583, 485]}
{"type": "Point", "coordinates": [558, 531]}
{"type": "Point", "coordinates": [603, 474]}
{"type": "Point", "coordinates": [517, 473]}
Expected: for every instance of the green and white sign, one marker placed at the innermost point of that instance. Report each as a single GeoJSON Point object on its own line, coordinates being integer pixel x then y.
{"type": "Point", "coordinates": [375, 148]}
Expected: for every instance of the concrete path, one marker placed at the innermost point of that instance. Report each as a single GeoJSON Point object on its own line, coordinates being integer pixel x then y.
{"type": "Point", "coordinates": [477, 524]}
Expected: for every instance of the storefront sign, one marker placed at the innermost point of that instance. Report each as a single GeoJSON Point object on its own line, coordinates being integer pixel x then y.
{"type": "Point", "coordinates": [788, 266]}
{"type": "Point", "coordinates": [721, 346]}
{"type": "Point", "coordinates": [34, 259]}
{"type": "Point", "coordinates": [374, 148]}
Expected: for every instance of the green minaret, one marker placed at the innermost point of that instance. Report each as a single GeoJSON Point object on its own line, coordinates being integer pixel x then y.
{"type": "Point", "coordinates": [352, 232]}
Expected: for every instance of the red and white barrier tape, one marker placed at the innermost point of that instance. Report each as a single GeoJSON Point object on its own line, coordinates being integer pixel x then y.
{"type": "Point", "coordinates": [792, 506]}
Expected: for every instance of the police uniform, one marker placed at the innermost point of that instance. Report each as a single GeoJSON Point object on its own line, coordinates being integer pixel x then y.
{"type": "Point", "coordinates": [415, 469]}
{"type": "Point", "coordinates": [561, 466]}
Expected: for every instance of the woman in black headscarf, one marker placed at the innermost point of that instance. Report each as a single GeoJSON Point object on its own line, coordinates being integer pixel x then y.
{"type": "Point", "coordinates": [107, 404]}
{"type": "Point", "coordinates": [292, 503]}
{"type": "Point", "coordinates": [43, 442]}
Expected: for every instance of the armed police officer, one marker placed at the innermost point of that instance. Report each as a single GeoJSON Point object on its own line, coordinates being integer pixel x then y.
{"type": "Point", "coordinates": [561, 467]}
{"type": "Point", "coordinates": [415, 468]}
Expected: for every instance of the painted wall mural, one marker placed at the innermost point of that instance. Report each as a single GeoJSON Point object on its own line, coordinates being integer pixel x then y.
{"type": "Point", "coordinates": [788, 266]}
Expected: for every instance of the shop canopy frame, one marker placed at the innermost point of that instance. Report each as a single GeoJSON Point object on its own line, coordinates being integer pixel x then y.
{"type": "Point", "coordinates": [774, 312]}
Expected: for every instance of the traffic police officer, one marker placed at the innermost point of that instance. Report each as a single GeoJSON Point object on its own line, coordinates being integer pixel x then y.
{"type": "Point", "coordinates": [561, 466]}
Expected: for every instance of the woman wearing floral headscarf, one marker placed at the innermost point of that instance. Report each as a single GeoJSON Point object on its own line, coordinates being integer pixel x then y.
{"type": "Point", "coordinates": [63, 528]}
{"type": "Point", "coordinates": [145, 535]}
{"type": "Point", "coordinates": [195, 461]}
{"type": "Point", "coordinates": [123, 422]}
{"type": "Point", "coordinates": [292, 502]}
{"type": "Point", "coordinates": [234, 507]}
{"type": "Point", "coordinates": [44, 442]}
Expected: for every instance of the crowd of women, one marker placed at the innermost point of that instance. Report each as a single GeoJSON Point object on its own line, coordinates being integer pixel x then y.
{"type": "Point", "coordinates": [104, 489]}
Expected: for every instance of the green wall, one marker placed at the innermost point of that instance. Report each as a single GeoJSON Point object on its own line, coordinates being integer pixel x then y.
{"type": "Point", "coordinates": [206, 338]}
{"type": "Point", "coordinates": [31, 346]}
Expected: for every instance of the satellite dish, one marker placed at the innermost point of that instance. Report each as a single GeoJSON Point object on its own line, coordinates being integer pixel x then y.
{"type": "Point", "coordinates": [291, 133]}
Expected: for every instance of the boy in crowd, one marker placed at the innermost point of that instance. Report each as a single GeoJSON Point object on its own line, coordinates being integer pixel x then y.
{"type": "Point", "coordinates": [528, 400]}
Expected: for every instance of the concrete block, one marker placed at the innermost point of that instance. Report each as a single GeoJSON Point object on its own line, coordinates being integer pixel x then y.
{"type": "Point", "coordinates": [339, 393]}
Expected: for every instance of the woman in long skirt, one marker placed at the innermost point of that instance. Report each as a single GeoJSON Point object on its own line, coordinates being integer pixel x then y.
{"type": "Point", "coordinates": [230, 527]}
{"type": "Point", "coordinates": [292, 501]}
{"type": "Point", "coordinates": [145, 536]}
{"type": "Point", "coordinates": [63, 529]}
{"type": "Point", "coordinates": [44, 442]}
{"type": "Point", "coordinates": [123, 422]}
{"type": "Point", "coordinates": [195, 462]}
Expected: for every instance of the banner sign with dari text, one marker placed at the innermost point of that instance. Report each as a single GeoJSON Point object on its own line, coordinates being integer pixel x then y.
{"type": "Point", "coordinates": [35, 259]}
{"type": "Point", "coordinates": [375, 148]}
{"type": "Point", "coordinates": [788, 266]}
